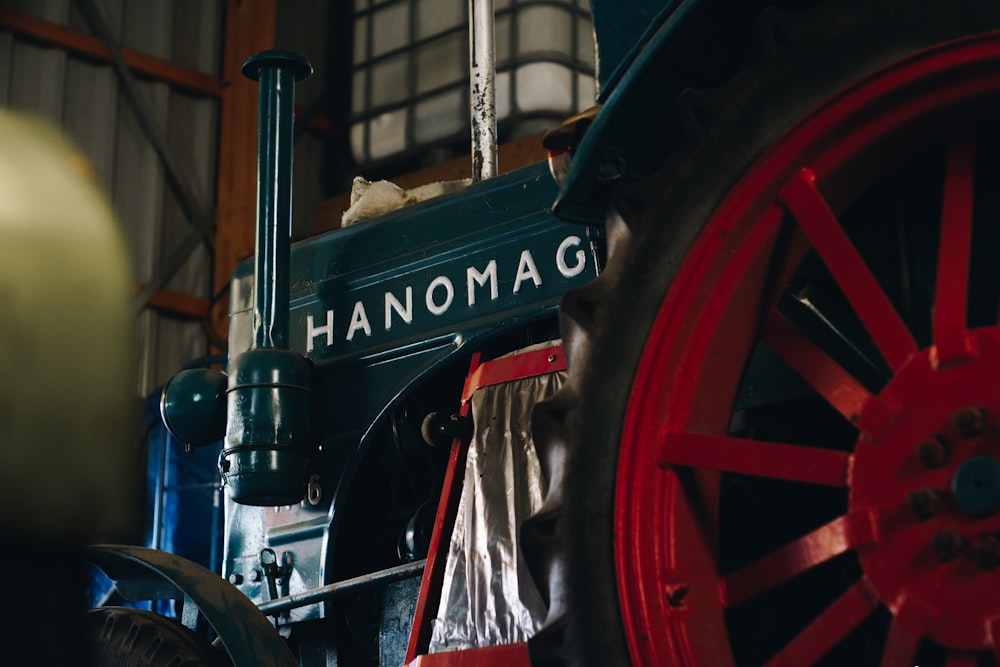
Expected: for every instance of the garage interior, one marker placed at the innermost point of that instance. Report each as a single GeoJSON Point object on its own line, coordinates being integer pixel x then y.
{"type": "Point", "coordinates": [152, 96]}
{"type": "Point", "coordinates": [697, 376]}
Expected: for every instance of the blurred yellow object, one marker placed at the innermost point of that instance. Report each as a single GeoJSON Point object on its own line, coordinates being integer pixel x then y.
{"type": "Point", "coordinates": [68, 442]}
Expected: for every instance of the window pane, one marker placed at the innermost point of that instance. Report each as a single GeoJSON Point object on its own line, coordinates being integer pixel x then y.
{"type": "Point", "coordinates": [389, 81]}
{"type": "Point", "coordinates": [440, 116]}
{"type": "Point", "coordinates": [545, 87]}
{"type": "Point", "coordinates": [360, 40]}
{"type": "Point", "coordinates": [391, 29]}
{"type": "Point", "coordinates": [442, 61]}
{"type": "Point", "coordinates": [541, 28]}
{"type": "Point", "coordinates": [435, 16]}
{"type": "Point", "coordinates": [388, 133]}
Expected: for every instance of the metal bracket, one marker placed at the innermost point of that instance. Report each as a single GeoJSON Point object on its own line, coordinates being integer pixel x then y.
{"type": "Point", "coordinates": [275, 575]}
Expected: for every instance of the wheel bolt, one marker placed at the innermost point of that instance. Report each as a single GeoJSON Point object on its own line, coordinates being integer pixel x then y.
{"type": "Point", "coordinates": [924, 503]}
{"type": "Point", "coordinates": [988, 551]}
{"type": "Point", "coordinates": [970, 421]}
{"type": "Point", "coordinates": [676, 595]}
{"type": "Point", "coordinates": [948, 544]}
{"type": "Point", "coordinates": [934, 452]}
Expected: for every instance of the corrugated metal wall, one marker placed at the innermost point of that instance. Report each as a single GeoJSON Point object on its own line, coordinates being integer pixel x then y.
{"type": "Point", "coordinates": [84, 98]}
{"type": "Point", "coordinates": [302, 28]}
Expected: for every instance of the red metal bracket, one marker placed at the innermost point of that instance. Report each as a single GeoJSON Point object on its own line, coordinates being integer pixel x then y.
{"type": "Point", "coordinates": [430, 586]}
{"type": "Point", "coordinates": [517, 367]}
{"type": "Point", "coordinates": [504, 369]}
{"type": "Point", "coordinates": [504, 655]}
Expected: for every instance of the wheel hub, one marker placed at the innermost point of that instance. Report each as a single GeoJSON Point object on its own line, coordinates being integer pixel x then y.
{"type": "Point", "coordinates": [976, 486]}
{"type": "Point", "coordinates": [927, 470]}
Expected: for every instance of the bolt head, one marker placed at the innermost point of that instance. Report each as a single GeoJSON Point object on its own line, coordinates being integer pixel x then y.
{"type": "Point", "coordinates": [988, 551]}
{"type": "Point", "coordinates": [236, 578]}
{"type": "Point", "coordinates": [255, 575]}
{"type": "Point", "coordinates": [676, 596]}
{"type": "Point", "coordinates": [948, 544]}
{"type": "Point", "coordinates": [971, 421]}
{"type": "Point", "coordinates": [934, 452]}
{"type": "Point", "coordinates": [924, 503]}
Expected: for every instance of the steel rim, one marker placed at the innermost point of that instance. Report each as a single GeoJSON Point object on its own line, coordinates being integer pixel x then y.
{"type": "Point", "coordinates": [678, 448]}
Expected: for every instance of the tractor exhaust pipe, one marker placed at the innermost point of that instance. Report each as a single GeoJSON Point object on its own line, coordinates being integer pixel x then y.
{"type": "Point", "coordinates": [263, 406]}
{"type": "Point", "coordinates": [267, 443]}
{"type": "Point", "coordinates": [276, 72]}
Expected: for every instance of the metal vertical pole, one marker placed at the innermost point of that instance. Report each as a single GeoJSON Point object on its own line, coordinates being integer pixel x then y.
{"type": "Point", "coordinates": [160, 491]}
{"type": "Point", "coordinates": [214, 557]}
{"type": "Point", "coordinates": [482, 89]}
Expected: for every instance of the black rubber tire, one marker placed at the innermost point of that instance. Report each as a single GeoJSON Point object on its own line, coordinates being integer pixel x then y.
{"type": "Point", "coordinates": [128, 637]}
{"type": "Point", "coordinates": [792, 62]}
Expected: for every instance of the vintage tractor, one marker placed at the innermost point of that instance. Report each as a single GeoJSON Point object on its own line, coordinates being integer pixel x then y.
{"type": "Point", "coordinates": [768, 260]}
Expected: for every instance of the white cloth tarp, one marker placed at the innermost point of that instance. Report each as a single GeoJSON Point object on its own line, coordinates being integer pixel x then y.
{"type": "Point", "coordinates": [488, 596]}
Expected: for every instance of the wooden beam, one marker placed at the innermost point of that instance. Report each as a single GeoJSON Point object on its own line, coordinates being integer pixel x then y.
{"type": "Point", "coordinates": [87, 46]}
{"type": "Point", "coordinates": [178, 304]}
{"type": "Point", "coordinates": [512, 155]}
{"type": "Point", "coordinates": [249, 29]}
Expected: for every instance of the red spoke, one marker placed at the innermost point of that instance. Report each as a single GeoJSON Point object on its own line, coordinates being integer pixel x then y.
{"type": "Point", "coordinates": [902, 641]}
{"type": "Point", "coordinates": [900, 647]}
{"type": "Point", "coordinates": [872, 305]}
{"type": "Point", "coordinates": [832, 539]}
{"type": "Point", "coordinates": [811, 465]}
{"type": "Point", "coordinates": [961, 659]}
{"type": "Point", "coordinates": [993, 627]}
{"type": "Point", "coordinates": [829, 627]}
{"type": "Point", "coordinates": [825, 375]}
{"type": "Point", "coordinates": [951, 339]}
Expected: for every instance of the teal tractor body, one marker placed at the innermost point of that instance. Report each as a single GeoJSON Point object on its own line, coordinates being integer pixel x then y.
{"type": "Point", "coordinates": [409, 300]}
{"type": "Point", "coordinates": [340, 347]}
{"type": "Point", "coordinates": [703, 390]}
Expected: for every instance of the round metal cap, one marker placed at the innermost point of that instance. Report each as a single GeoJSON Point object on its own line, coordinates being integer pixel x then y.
{"type": "Point", "coordinates": [301, 67]}
{"type": "Point", "coordinates": [976, 486]}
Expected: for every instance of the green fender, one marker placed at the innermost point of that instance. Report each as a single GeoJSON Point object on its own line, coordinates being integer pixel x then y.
{"type": "Point", "coordinates": [630, 136]}
{"type": "Point", "coordinates": [247, 635]}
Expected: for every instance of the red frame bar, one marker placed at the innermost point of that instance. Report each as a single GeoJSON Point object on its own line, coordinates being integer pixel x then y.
{"type": "Point", "coordinates": [504, 655]}
{"type": "Point", "coordinates": [429, 597]}
{"type": "Point", "coordinates": [507, 369]}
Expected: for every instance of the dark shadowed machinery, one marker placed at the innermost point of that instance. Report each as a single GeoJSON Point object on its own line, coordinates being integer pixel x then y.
{"type": "Point", "coordinates": [710, 388]}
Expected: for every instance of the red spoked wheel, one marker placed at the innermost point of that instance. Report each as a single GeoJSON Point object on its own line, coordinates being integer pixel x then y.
{"type": "Point", "coordinates": [903, 529]}
{"type": "Point", "coordinates": [800, 445]}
